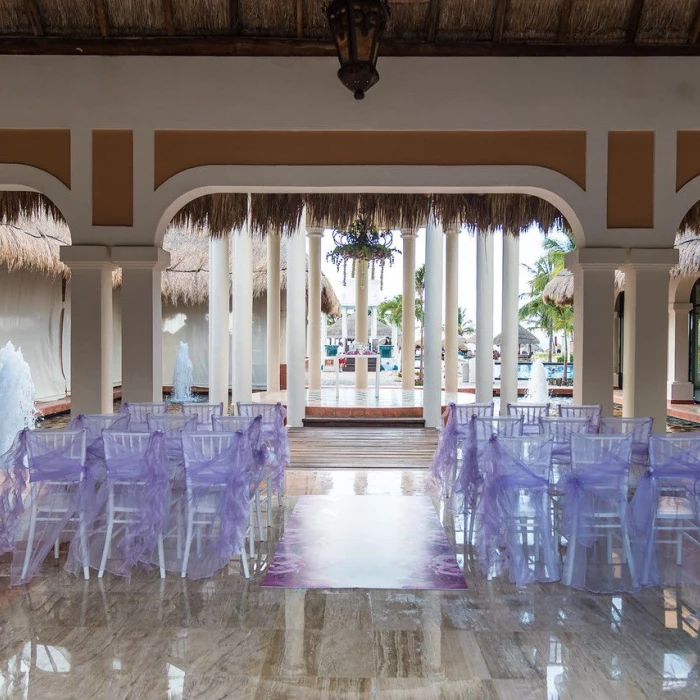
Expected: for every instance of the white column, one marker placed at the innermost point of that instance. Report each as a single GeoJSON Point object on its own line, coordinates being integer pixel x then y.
{"type": "Point", "coordinates": [451, 309]}
{"type": "Point", "coordinates": [315, 234]}
{"type": "Point", "coordinates": [646, 333]}
{"type": "Point", "coordinates": [361, 298]}
{"type": "Point", "coordinates": [374, 329]}
{"type": "Point", "coordinates": [142, 326]}
{"type": "Point", "coordinates": [408, 311]}
{"type": "Point", "coordinates": [296, 326]}
{"type": "Point", "coordinates": [273, 312]}
{"type": "Point", "coordinates": [242, 307]}
{"type": "Point", "coordinates": [432, 387]}
{"type": "Point", "coordinates": [679, 388]}
{"type": "Point", "coordinates": [594, 294]}
{"type": "Point", "coordinates": [219, 296]}
{"type": "Point", "coordinates": [484, 317]}
{"type": "Point", "coordinates": [91, 328]}
{"type": "Point", "coordinates": [509, 323]}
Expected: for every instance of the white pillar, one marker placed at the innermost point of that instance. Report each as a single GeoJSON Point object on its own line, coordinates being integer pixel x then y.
{"type": "Point", "coordinates": [296, 326]}
{"type": "Point", "coordinates": [680, 389]}
{"type": "Point", "coordinates": [408, 311]}
{"type": "Point", "coordinates": [142, 326]}
{"type": "Point", "coordinates": [374, 329]}
{"type": "Point", "coordinates": [484, 317]}
{"type": "Point", "coordinates": [219, 296]}
{"type": "Point", "coordinates": [315, 234]}
{"type": "Point", "coordinates": [646, 333]}
{"type": "Point", "coordinates": [594, 294]}
{"type": "Point", "coordinates": [432, 387]}
{"type": "Point", "coordinates": [273, 312]}
{"type": "Point", "coordinates": [509, 324]}
{"type": "Point", "coordinates": [242, 307]}
{"type": "Point", "coordinates": [451, 309]}
{"type": "Point", "coordinates": [91, 328]}
{"type": "Point", "coordinates": [361, 298]}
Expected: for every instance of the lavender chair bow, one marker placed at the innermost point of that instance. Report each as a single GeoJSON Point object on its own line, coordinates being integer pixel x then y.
{"type": "Point", "coordinates": [515, 530]}
{"type": "Point", "coordinates": [595, 514]}
{"type": "Point", "coordinates": [531, 413]}
{"type": "Point", "coordinates": [665, 510]}
{"type": "Point", "coordinates": [60, 492]}
{"type": "Point", "coordinates": [217, 474]}
{"type": "Point", "coordinates": [172, 425]}
{"type": "Point", "coordinates": [132, 506]}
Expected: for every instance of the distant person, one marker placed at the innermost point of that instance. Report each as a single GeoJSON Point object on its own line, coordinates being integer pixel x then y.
{"type": "Point", "coordinates": [386, 341]}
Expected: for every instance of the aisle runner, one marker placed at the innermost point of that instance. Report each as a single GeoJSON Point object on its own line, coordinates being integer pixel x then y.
{"type": "Point", "coordinates": [364, 542]}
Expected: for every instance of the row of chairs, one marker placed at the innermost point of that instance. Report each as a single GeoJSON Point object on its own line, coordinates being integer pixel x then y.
{"type": "Point", "coordinates": [613, 543]}
{"type": "Point", "coordinates": [102, 481]}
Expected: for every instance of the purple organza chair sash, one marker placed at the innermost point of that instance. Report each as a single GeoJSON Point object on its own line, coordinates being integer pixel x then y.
{"type": "Point", "coordinates": [275, 432]}
{"type": "Point", "coordinates": [228, 476]}
{"type": "Point", "coordinates": [14, 485]}
{"type": "Point", "coordinates": [95, 424]}
{"type": "Point", "coordinates": [513, 492]}
{"type": "Point", "coordinates": [594, 500]}
{"type": "Point", "coordinates": [445, 458]}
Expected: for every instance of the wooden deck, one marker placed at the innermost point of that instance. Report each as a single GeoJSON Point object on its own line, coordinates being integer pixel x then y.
{"type": "Point", "coordinates": [362, 448]}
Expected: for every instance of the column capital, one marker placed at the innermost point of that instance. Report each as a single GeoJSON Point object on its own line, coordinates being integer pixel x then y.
{"type": "Point", "coordinates": [681, 307]}
{"type": "Point", "coordinates": [651, 259]}
{"type": "Point", "coordinates": [409, 232]}
{"type": "Point", "coordinates": [596, 258]}
{"type": "Point", "coordinates": [86, 257]}
{"type": "Point", "coordinates": [315, 231]}
{"type": "Point", "coordinates": [453, 229]}
{"type": "Point", "coordinates": [144, 257]}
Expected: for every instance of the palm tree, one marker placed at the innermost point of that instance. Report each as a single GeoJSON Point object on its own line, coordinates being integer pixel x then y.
{"type": "Point", "coordinates": [420, 314]}
{"type": "Point", "coordinates": [546, 267]}
{"type": "Point", "coordinates": [390, 311]}
{"type": "Point", "coordinates": [465, 326]}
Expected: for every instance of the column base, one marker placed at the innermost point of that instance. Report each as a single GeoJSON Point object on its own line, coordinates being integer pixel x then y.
{"type": "Point", "coordinates": [680, 392]}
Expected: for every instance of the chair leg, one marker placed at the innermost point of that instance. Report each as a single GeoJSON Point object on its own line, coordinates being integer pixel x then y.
{"type": "Point", "coordinates": [258, 515]}
{"type": "Point", "coordinates": [161, 556]}
{"type": "Point", "coordinates": [570, 552]}
{"type": "Point", "coordinates": [30, 536]}
{"type": "Point", "coordinates": [55, 549]}
{"type": "Point", "coordinates": [188, 540]}
{"type": "Point", "coordinates": [679, 547]}
{"type": "Point", "coordinates": [627, 546]}
{"type": "Point", "coordinates": [84, 546]}
{"type": "Point", "coordinates": [108, 533]}
{"type": "Point", "coordinates": [251, 536]}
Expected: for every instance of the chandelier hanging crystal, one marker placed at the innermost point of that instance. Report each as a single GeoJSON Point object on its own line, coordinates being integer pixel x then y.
{"type": "Point", "coordinates": [363, 242]}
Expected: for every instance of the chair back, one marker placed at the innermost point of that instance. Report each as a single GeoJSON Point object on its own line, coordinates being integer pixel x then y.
{"type": "Point", "coordinates": [56, 454]}
{"type": "Point", "coordinates": [95, 423]}
{"type": "Point", "coordinates": [561, 429]}
{"type": "Point", "coordinates": [603, 453]}
{"type": "Point", "coordinates": [204, 411]}
{"type": "Point", "coordinates": [531, 412]}
{"type": "Point", "coordinates": [268, 411]}
{"type": "Point", "coordinates": [172, 424]}
{"type": "Point", "coordinates": [125, 454]}
{"type": "Point", "coordinates": [638, 428]}
{"type": "Point", "coordinates": [231, 424]}
{"type": "Point", "coordinates": [139, 413]}
{"type": "Point", "coordinates": [210, 457]}
{"type": "Point", "coordinates": [675, 453]}
{"type": "Point", "coordinates": [462, 413]}
{"type": "Point", "coordinates": [534, 452]}
{"type": "Point", "coordinates": [499, 426]}
{"type": "Point", "coordinates": [591, 411]}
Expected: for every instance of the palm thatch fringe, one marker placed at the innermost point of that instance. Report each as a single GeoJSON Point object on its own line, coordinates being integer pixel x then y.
{"type": "Point", "coordinates": [18, 205]}
{"type": "Point", "coordinates": [275, 213]}
{"type": "Point", "coordinates": [560, 290]}
{"type": "Point", "coordinates": [688, 257]}
{"type": "Point", "coordinates": [219, 213]}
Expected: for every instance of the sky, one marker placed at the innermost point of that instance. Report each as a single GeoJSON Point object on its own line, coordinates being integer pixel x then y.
{"type": "Point", "coordinates": [530, 249]}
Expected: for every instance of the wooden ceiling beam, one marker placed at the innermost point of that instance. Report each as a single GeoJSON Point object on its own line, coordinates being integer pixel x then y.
{"type": "Point", "coordinates": [633, 22]}
{"type": "Point", "coordinates": [499, 20]}
{"type": "Point", "coordinates": [695, 26]}
{"type": "Point", "coordinates": [564, 19]}
{"type": "Point", "coordinates": [169, 17]}
{"type": "Point", "coordinates": [102, 21]}
{"type": "Point", "coordinates": [300, 19]}
{"type": "Point", "coordinates": [269, 46]}
{"type": "Point", "coordinates": [34, 16]}
{"type": "Point", "coordinates": [234, 16]}
{"type": "Point", "coordinates": [433, 20]}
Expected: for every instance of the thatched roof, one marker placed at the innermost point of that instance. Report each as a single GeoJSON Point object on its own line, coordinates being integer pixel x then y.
{"type": "Point", "coordinates": [285, 27]}
{"type": "Point", "coordinates": [335, 329]}
{"type": "Point", "coordinates": [560, 290]}
{"type": "Point", "coordinates": [525, 337]}
{"type": "Point", "coordinates": [33, 244]}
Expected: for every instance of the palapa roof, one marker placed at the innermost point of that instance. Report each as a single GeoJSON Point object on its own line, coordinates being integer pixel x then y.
{"type": "Point", "coordinates": [525, 337]}
{"type": "Point", "coordinates": [335, 329]}
{"type": "Point", "coordinates": [298, 27]}
{"type": "Point", "coordinates": [560, 290]}
{"type": "Point", "coordinates": [33, 244]}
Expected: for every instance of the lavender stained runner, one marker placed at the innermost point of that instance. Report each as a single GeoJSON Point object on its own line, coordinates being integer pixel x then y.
{"type": "Point", "coordinates": [393, 542]}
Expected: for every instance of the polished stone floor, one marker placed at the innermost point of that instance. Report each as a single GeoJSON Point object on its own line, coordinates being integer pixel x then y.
{"type": "Point", "coordinates": [228, 638]}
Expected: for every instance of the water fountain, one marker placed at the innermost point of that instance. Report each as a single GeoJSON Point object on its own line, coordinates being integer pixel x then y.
{"type": "Point", "coordinates": [537, 388]}
{"type": "Point", "coordinates": [17, 395]}
{"type": "Point", "coordinates": [182, 376]}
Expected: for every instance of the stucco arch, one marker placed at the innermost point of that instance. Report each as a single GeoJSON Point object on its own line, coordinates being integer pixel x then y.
{"type": "Point", "coordinates": [555, 188]}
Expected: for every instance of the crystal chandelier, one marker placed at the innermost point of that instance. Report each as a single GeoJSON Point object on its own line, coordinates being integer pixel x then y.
{"type": "Point", "coordinates": [362, 242]}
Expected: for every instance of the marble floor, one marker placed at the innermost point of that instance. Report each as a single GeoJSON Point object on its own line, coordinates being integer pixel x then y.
{"type": "Point", "coordinates": [226, 637]}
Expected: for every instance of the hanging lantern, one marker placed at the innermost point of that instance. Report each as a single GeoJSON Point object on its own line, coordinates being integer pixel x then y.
{"type": "Point", "coordinates": [357, 27]}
